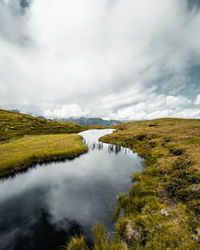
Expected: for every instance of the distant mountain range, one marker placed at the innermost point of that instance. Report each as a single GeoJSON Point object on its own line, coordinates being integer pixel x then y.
{"type": "Point", "coordinates": [84, 121]}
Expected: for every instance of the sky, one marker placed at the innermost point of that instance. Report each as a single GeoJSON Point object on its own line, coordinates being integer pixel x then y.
{"type": "Point", "coordinates": [114, 59]}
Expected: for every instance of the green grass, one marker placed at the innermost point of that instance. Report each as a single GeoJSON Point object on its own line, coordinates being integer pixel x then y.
{"type": "Point", "coordinates": [162, 209]}
{"type": "Point", "coordinates": [24, 152]}
{"type": "Point", "coordinates": [14, 125]}
{"type": "Point", "coordinates": [77, 243]}
{"type": "Point", "coordinates": [96, 127]}
{"type": "Point", "coordinates": [26, 140]}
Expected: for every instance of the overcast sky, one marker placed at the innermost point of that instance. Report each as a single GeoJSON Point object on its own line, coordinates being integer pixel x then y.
{"type": "Point", "coordinates": [119, 59]}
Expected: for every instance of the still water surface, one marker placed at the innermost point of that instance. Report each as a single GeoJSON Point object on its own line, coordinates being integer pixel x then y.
{"type": "Point", "coordinates": [43, 207]}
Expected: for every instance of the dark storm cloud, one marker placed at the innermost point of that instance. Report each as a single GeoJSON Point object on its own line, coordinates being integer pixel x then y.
{"type": "Point", "coordinates": [13, 21]}
{"type": "Point", "coordinates": [115, 59]}
{"type": "Point", "coordinates": [24, 3]}
{"type": "Point", "coordinates": [193, 4]}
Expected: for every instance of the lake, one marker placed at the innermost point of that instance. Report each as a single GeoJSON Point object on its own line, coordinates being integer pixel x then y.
{"type": "Point", "coordinates": [43, 207]}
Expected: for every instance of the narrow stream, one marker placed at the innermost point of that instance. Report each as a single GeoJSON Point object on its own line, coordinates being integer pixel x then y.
{"type": "Point", "coordinates": [43, 207]}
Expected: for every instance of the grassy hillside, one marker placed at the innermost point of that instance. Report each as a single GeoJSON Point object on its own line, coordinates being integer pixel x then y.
{"type": "Point", "coordinates": [13, 125]}
{"type": "Point", "coordinates": [162, 208]}
{"type": "Point", "coordinates": [26, 140]}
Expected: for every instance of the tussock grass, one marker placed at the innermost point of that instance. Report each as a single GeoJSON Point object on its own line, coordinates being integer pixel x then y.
{"type": "Point", "coordinates": [161, 210]}
{"type": "Point", "coordinates": [77, 243]}
{"type": "Point", "coordinates": [24, 152]}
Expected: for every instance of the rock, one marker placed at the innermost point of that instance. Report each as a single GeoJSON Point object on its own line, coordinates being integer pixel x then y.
{"type": "Point", "coordinates": [159, 226]}
{"type": "Point", "coordinates": [195, 187]}
{"type": "Point", "coordinates": [164, 212]}
{"type": "Point", "coordinates": [196, 237]}
{"type": "Point", "coordinates": [175, 221]}
{"type": "Point", "coordinates": [132, 233]}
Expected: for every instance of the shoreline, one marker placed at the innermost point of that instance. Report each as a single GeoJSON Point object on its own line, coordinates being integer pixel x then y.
{"type": "Point", "coordinates": [22, 154]}
{"type": "Point", "coordinates": [33, 164]}
{"type": "Point", "coordinates": [162, 209]}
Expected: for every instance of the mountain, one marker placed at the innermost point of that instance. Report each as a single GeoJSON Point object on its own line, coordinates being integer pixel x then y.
{"type": "Point", "coordinates": [84, 121]}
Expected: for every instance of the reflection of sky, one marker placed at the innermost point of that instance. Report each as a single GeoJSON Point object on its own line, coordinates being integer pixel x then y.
{"type": "Point", "coordinates": [83, 190]}
{"type": "Point", "coordinates": [91, 140]}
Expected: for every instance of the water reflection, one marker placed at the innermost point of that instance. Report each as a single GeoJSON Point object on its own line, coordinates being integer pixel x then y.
{"type": "Point", "coordinates": [43, 207]}
{"type": "Point", "coordinates": [109, 148]}
{"type": "Point", "coordinates": [96, 145]}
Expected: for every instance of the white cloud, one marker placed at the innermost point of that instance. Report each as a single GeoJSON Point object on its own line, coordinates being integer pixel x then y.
{"type": "Point", "coordinates": [175, 101]}
{"type": "Point", "coordinates": [158, 106]}
{"type": "Point", "coordinates": [64, 111]}
{"type": "Point", "coordinates": [197, 101]}
{"type": "Point", "coordinates": [94, 58]}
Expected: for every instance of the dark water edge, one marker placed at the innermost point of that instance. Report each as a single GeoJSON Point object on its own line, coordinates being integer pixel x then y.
{"type": "Point", "coordinates": [45, 206]}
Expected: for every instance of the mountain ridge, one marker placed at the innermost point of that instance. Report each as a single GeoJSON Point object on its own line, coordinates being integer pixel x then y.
{"type": "Point", "coordinates": [88, 121]}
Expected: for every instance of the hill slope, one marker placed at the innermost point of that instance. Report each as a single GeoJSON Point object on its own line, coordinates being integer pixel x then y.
{"type": "Point", "coordinates": [26, 140]}
{"type": "Point", "coordinates": [13, 124]}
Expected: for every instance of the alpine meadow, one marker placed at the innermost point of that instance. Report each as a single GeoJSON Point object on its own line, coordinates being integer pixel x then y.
{"type": "Point", "coordinates": [99, 124]}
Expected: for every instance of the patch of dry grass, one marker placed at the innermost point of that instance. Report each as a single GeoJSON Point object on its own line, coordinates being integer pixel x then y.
{"type": "Point", "coordinates": [21, 153]}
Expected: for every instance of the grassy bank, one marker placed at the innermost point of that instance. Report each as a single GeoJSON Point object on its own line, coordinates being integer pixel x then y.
{"type": "Point", "coordinates": [14, 125]}
{"type": "Point", "coordinates": [19, 154]}
{"type": "Point", "coordinates": [162, 209]}
{"type": "Point", "coordinates": [26, 140]}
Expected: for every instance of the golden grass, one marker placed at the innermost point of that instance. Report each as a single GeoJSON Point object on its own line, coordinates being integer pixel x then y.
{"type": "Point", "coordinates": [171, 182]}
{"type": "Point", "coordinates": [14, 125]}
{"type": "Point", "coordinates": [166, 139]}
{"type": "Point", "coordinates": [21, 153]}
{"type": "Point", "coordinates": [96, 127]}
{"type": "Point", "coordinates": [162, 210]}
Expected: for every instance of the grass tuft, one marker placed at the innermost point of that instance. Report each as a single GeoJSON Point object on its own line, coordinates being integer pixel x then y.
{"type": "Point", "coordinates": [77, 243]}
